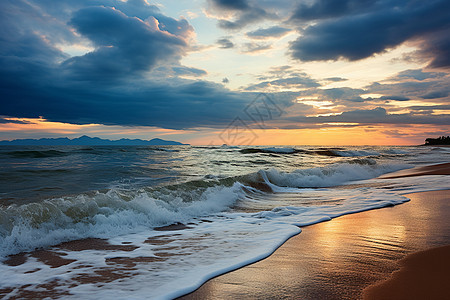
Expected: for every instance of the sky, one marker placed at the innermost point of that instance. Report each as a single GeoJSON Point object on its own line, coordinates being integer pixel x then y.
{"type": "Point", "coordinates": [209, 72]}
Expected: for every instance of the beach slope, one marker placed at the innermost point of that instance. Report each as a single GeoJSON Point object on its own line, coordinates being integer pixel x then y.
{"type": "Point", "coordinates": [340, 258]}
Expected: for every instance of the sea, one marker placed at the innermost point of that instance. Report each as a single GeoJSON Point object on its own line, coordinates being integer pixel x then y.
{"type": "Point", "coordinates": [156, 222]}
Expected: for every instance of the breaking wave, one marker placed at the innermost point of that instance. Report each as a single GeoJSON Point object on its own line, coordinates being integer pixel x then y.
{"type": "Point", "coordinates": [113, 212]}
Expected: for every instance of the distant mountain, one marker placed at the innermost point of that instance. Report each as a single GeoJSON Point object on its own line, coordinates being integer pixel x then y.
{"type": "Point", "coordinates": [90, 141]}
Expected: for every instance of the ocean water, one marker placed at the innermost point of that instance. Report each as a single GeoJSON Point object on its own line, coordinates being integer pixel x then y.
{"type": "Point", "coordinates": [231, 206]}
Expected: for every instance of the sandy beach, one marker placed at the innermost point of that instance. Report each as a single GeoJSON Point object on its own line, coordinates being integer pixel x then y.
{"type": "Point", "coordinates": [423, 275]}
{"type": "Point", "coordinates": [342, 258]}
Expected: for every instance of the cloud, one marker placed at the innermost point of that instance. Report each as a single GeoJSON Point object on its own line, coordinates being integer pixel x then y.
{"type": "Point", "coordinates": [177, 105]}
{"type": "Point", "coordinates": [291, 82]}
{"type": "Point", "coordinates": [124, 45]}
{"type": "Point", "coordinates": [435, 46]}
{"type": "Point", "coordinates": [123, 81]}
{"type": "Point", "coordinates": [279, 72]}
{"type": "Point", "coordinates": [377, 115]}
{"type": "Point", "coordinates": [357, 30]}
{"type": "Point", "coordinates": [131, 76]}
{"type": "Point", "coordinates": [255, 47]}
{"type": "Point", "coordinates": [245, 18]}
{"type": "Point", "coordinates": [413, 84]}
{"type": "Point", "coordinates": [231, 4]}
{"type": "Point", "coordinates": [344, 93]}
{"type": "Point", "coordinates": [271, 32]}
{"type": "Point", "coordinates": [394, 98]}
{"type": "Point", "coordinates": [225, 43]}
{"type": "Point", "coordinates": [436, 94]}
{"type": "Point", "coordinates": [429, 107]}
{"type": "Point", "coordinates": [5, 120]}
{"type": "Point", "coordinates": [326, 9]}
{"type": "Point", "coordinates": [237, 14]}
{"type": "Point", "coordinates": [182, 70]}
{"type": "Point", "coordinates": [335, 79]}
{"type": "Point", "coordinates": [418, 75]}
{"type": "Point", "coordinates": [412, 89]}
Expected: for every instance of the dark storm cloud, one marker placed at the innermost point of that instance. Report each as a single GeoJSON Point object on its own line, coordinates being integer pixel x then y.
{"type": "Point", "coordinates": [124, 45]}
{"type": "Point", "coordinates": [436, 94]}
{"type": "Point", "coordinates": [244, 12]}
{"type": "Point", "coordinates": [325, 9]}
{"type": "Point", "coordinates": [179, 105]}
{"type": "Point", "coordinates": [232, 4]}
{"type": "Point", "coordinates": [263, 33]}
{"type": "Point", "coordinates": [123, 81]}
{"type": "Point", "coordinates": [189, 71]}
{"type": "Point", "coordinates": [360, 29]}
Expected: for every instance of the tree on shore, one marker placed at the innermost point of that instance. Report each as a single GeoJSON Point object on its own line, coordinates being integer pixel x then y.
{"type": "Point", "coordinates": [442, 140]}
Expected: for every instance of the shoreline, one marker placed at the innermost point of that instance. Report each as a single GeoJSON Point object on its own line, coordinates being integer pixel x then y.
{"type": "Point", "coordinates": [253, 280]}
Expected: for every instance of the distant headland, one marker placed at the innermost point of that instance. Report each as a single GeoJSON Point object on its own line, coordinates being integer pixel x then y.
{"type": "Point", "coordinates": [440, 141]}
{"type": "Point", "coordinates": [90, 141]}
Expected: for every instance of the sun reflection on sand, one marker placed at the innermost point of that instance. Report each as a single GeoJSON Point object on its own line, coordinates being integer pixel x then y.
{"type": "Point", "coordinates": [338, 258]}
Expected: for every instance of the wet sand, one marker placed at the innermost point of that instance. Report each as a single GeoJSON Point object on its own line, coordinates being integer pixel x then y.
{"type": "Point", "coordinates": [423, 275]}
{"type": "Point", "coordinates": [339, 258]}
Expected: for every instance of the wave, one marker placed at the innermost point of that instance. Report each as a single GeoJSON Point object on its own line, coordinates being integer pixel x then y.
{"type": "Point", "coordinates": [329, 176]}
{"type": "Point", "coordinates": [113, 212]}
{"type": "Point", "coordinates": [163, 149]}
{"type": "Point", "coordinates": [36, 154]}
{"type": "Point", "coordinates": [103, 215]}
{"type": "Point", "coordinates": [99, 150]}
{"type": "Point", "coordinates": [356, 153]}
{"type": "Point", "coordinates": [395, 151]}
{"type": "Point", "coordinates": [333, 152]}
{"type": "Point", "coordinates": [270, 150]}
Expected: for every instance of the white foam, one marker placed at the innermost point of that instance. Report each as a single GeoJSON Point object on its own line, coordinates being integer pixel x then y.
{"type": "Point", "coordinates": [328, 176]}
{"type": "Point", "coordinates": [103, 215]}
